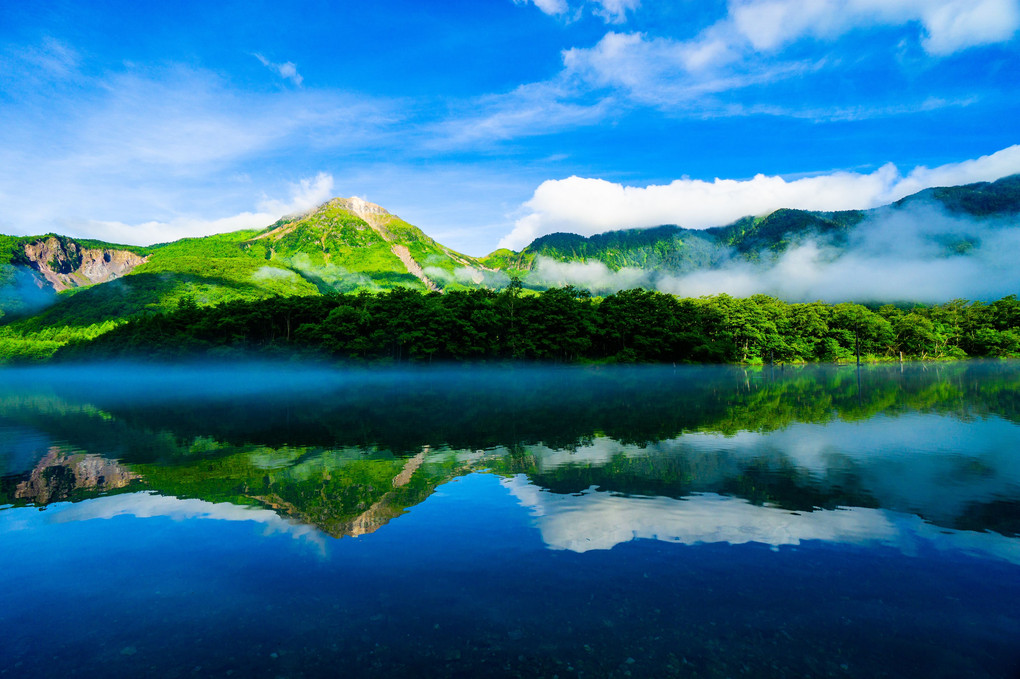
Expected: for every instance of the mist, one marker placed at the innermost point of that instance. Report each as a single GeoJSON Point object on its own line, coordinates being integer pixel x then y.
{"type": "Point", "coordinates": [21, 291]}
{"type": "Point", "coordinates": [918, 253]}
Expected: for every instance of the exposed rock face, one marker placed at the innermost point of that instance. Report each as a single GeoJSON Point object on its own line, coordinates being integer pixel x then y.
{"type": "Point", "coordinates": [370, 212]}
{"type": "Point", "coordinates": [58, 475]}
{"type": "Point", "coordinates": [64, 263]}
{"type": "Point", "coordinates": [413, 267]}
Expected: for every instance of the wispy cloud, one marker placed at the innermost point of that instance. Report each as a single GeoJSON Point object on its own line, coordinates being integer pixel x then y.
{"type": "Point", "coordinates": [286, 70]}
{"type": "Point", "coordinates": [154, 146]}
{"type": "Point", "coordinates": [610, 11]}
{"type": "Point", "coordinates": [530, 110]}
{"type": "Point", "coordinates": [587, 206]}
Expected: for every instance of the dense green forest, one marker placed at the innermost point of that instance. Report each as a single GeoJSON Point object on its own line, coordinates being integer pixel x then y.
{"type": "Point", "coordinates": [561, 324]}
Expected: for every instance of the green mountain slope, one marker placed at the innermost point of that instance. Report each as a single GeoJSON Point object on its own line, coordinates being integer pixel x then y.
{"type": "Point", "coordinates": [663, 247]}
{"type": "Point", "coordinates": [345, 244]}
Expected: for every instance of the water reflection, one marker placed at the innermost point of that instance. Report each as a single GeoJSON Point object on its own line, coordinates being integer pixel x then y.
{"type": "Point", "coordinates": [592, 521]}
{"type": "Point", "coordinates": [348, 459]}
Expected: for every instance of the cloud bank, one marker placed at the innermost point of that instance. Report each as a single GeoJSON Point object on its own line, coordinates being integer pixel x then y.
{"type": "Point", "coordinates": [917, 253]}
{"type": "Point", "coordinates": [587, 206]}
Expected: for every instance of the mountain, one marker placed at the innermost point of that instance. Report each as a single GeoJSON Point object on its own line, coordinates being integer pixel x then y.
{"type": "Point", "coordinates": [673, 249]}
{"type": "Point", "coordinates": [54, 288]}
{"type": "Point", "coordinates": [345, 244]}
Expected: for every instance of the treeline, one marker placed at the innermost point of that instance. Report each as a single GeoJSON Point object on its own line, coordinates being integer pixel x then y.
{"type": "Point", "coordinates": [563, 324]}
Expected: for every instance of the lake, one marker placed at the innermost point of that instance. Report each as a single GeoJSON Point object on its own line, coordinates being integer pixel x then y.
{"type": "Point", "coordinates": [304, 521]}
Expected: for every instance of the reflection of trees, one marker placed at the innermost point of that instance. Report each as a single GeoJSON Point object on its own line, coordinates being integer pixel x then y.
{"type": "Point", "coordinates": [402, 412]}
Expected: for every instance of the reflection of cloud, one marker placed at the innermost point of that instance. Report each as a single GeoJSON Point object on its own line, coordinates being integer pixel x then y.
{"type": "Point", "coordinates": [597, 452]}
{"type": "Point", "coordinates": [147, 505]}
{"type": "Point", "coordinates": [598, 520]}
{"type": "Point", "coordinates": [931, 464]}
{"type": "Point", "coordinates": [934, 465]}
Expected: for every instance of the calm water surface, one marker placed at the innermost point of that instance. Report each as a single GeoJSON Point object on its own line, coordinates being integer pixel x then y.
{"type": "Point", "coordinates": [274, 521]}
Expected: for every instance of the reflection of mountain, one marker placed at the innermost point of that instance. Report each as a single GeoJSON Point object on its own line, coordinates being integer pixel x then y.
{"type": "Point", "coordinates": [338, 519]}
{"type": "Point", "coordinates": [59, 476]}
{"type": "Point", "coordinates": [936, 443]}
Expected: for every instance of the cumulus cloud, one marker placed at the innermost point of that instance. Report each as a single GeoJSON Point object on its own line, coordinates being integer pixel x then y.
{"type": "Point", "coordinates": [304, 195]}
{"type": "Point", "coordinates": [286, 70]}
{"type": "Point", "coordinates": [588, 206]}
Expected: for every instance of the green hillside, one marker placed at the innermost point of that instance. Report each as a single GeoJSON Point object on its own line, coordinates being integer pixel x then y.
{"type": "Point", "coordinates": [664, 247]}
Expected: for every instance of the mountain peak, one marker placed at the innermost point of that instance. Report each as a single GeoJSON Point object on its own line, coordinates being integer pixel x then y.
{"type": "Point", "coordinates": [358, 206]}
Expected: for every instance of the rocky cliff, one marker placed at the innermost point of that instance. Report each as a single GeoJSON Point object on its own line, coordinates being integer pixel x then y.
{"type": "Point", "coordinates": [64, 263]}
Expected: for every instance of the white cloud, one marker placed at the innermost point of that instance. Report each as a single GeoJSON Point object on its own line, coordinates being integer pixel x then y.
{"type": "Point", "coordinates": [548, 6]}
{"type": "Point", "coordinates": [286, 70]}
{"type": "Point", "coordinates": [532, 109]}
{"type": "Point", "coordinates": [615, 11]}
{"type": "Point", "coordinates": [948, 25]}
{"type": "Point", "coordinates": [587, 206]}
{"type": "Point", "coordinates": [306, 194]}
{"type": "Point", "coordinates": [746, 47]}
{"type": "Point", "coordinates": [156, 145]}
{"type": "Point", "coordinates": [670, 74]}
{"type": "Point", "coordinates": [611, 11]}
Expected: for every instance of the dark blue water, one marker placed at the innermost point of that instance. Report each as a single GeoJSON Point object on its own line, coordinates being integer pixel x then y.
{"type": "Point", "coordinates": [861, 543]}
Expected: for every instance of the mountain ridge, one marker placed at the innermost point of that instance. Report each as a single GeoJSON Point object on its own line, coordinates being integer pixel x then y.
{"type": "Point", "coordinates": [55, 288]}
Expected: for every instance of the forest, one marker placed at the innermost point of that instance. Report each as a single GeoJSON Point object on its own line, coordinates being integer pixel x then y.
{"type": "Point", "coordinates": [560, 325]}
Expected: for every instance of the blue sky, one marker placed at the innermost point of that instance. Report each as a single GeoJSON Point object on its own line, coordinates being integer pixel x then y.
{"type": "Point", "coordinates": [491, 122]}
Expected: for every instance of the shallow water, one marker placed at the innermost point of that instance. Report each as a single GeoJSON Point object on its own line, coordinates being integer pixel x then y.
{"type": "Point", "coordinates": [297, 521]}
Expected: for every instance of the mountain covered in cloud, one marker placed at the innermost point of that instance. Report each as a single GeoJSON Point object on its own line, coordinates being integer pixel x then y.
{"type": "Point", "coordinates": [936, 245]}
